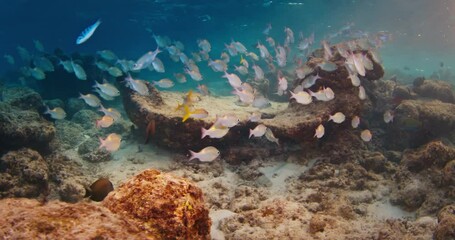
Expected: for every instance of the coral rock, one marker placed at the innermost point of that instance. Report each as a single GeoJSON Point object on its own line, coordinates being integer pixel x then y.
{"type": "Point", "coordinates": [436, 89]}
{"type": "Point", "coordinates": [24, 128]}
{"type": "Point", "coordinates": [23, 98]}
{"type": "Point", "coordinates": [433, 153]}
{"type": "Point", "coordinates": [446, 224]}
{"type": "Point", "coordinates": [23, 173]}
{"type": "Point", "coordinates": [165, 206]}
{"type": "Point", "coordinates": [29, 219]}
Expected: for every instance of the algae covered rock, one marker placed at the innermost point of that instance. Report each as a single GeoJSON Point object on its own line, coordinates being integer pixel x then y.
{"type": "Point", "coordinates": [23, 98]}
{"type": "Point", "coordinates": [436, 89]}
{"type": "Point", "coordinates": [23, 173]}
{"type": "Point", "coordinates": [165, 206]}
{"type": "Point", "coordinates": [289, 122]}
{"type": "Point", "coordinates": [30, 219]}
{"type": "Point", "coordinates": [24, 128]}
{"type": "Point", "coordinates": [446, 223]}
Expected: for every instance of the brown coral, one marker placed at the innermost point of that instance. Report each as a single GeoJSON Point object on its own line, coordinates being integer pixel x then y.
{"type": "Point", "coordinates": [164, 206]}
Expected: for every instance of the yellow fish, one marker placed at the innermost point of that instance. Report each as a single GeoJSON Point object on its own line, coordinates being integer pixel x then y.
{"type": "Point", "coordinates": [197, 113]}
{"type": "Point", "coordinates": [111, 143]}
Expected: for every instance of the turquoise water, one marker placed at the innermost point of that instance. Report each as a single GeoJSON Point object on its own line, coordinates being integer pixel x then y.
{"type": "Point", "coordinates": [423, 32]}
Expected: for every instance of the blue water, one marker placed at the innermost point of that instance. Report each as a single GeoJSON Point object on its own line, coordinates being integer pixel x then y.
{"type": "Point", "coordinates": [423, 31]}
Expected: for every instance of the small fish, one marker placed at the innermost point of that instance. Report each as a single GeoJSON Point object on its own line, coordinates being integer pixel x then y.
{"type": "Point", "coordinates": [302, 97]}
{"type": "Point", "coordinates": [338, 117]}
{"type": "Point", "coordinates": [108, 89]}
{"type": "Point", "coordinates": [388, 116]}
{"type": "Point", "coordinates": [217, 65]}
{"type": "Point", "coordinates": [90, 99]}
{"type": "Point", "coordinates": [9, 59]}
{"type": "Point", "coordinates": [99, 189]}
{"type": "Point", "coordinates": [204, 45]}
{"type": "Point", "coordinates": [88, 32]}
{"type": "Point", "coordinates": [328, 66]}
{"type": "Point", "coordinates": [111, 143]}
{"type": "Point", "coordinates": [261, 102]}
{"type": "Point", "coordinates": [355, 80]}
{"type": "Point", "coordinates": [227, 120]}
{"type": "Point", "coordinates": [56, 113]}
{"type": "Point", "coordinates": [355, 122]}
{"type": "Point", "coordinates": [362, 93]}
{"type": "Point", "coordinates": [67, 66]}
{"type": "Point", "coordinates": [103, 95]}
{"type": "Point", "coordinates": [158, 65]}
{"type": "Point", "coordinates": [258, 72]}
{"type": "Point", "coordinates": [115, 71]}
{"type": "Point", "coordinates": [78, 71]}
{"type": "Point", "coordinates": [107, 55]}
{"type": "Point", "coordinates": [110, 112]}
{"type": "Point", "coordinates": [225, 57]}
{"type": "Point", "coordinates": [203, 89]}
{"type": "Point", "coordinates": [43, 63]}
{"type": "Point", "coordinates": [164, 83]}
{"type": "Point", "coordinates": [197, 113]}
{"type": "Point", "coordinates": [244, 95]}
{"type": "Point", "coordinates": [138, 86]}
{"type": "Point", "coordinates": [233, 79]}
{"type": "Point", "coordinates": [310, 81]}
{"type": "Point", "coordinates": [102, 65]}
{"type": "Point", "coordinates": [181, 78]}
{"type": "Point", "coordinates": [258, 131]}
{"type": "Point", "coordinates": [146, 60]}
{"type": "Point", "coordinates": [105, 122]}
{"type": "Point", "coordinates": [195, 75]}
{"type": "Point", "coordinates": [255, 117]}
{"type": "Point", "coordinates": [38, 46]}
{"type": "Point", "coordinates": [37, 73]}
{"type": "Point", "coordinates": [241, 69]}
{"type": "Point", "coordinates": [366, 135]}
{"type": "Point", "coordinates": [320, 130]}
{"type": "Point", "coordinates": [150, 130]}
{"type": "Point", "coordinates": [269, 135]}
{"type": "Point", "coordinates": [207, 154]}
{"type": "Point", "coordinates": [214, 132]}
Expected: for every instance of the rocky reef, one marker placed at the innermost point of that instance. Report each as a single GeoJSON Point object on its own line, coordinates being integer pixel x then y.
{"type": "Point", "coordinates": [291, 122]}
{"type": "Point", "coordinates": [165, 206]}
{"type": "Point", "coordinates": [152, 205]}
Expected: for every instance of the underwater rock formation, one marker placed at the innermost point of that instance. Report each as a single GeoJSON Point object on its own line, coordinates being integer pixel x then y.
{"type": "Point", "coordinates": [23, 173]}
{"type": "Point", "coordinates": [424, 177]}
{"type": "Point", "coordinates": [446, 223]}
{"type": "Point", "coordinates": [24, 128]}
{"type": "Point", "coordinates": [164, 206]}
{"type": "Point", "coordinates": [30, 219]}
{"type": "Point", "coordinates": [23, 98]}
{"type": "Point", "coordinates": [436, 89]}
{"type": "Point", "coordinates": [289, 122]}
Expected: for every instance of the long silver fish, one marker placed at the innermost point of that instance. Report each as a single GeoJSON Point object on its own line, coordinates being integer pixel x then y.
{"type": "Point", "coordinates": [88, 32]}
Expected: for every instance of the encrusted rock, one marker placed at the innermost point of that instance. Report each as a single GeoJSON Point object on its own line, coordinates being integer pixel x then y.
{"type": "Point", "coordinates": [166, 207]}
{"type": "Point", "coordinates": [24, 128]}
{"type": "Point", "coordinates": [23, 98]}
{"type": "Point", "coordinates": [23, 173]}
{"type": "Point", "coordinates": [446, 224]}
{"type": "Point", "coordinates": [433, 153]}
{"type": "Point", "coordinates": [436, 89]}
{"type": "Point", "coordinates": [30, 219]}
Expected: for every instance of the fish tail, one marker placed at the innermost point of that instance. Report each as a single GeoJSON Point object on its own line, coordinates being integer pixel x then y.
{"type": "Point", "coordinates": [251, 133]}
{"type": "Point", "coordinates": [192, 155]}
{"type": "Point", "coordinates": [187, 113]}
{"type": "Point", "coordinates": [203, 132]}
{"type": "Point", "coordinates": [101, 143]}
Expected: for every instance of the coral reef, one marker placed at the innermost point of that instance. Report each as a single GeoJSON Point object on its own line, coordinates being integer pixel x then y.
{"type": "Point", "coordinates": [165, 206]}
{"type": "Point", "coordinates": [436, 89]}
{"type": "Point", "coordinates": [23, 98]}
{"type": "Point", "coordinates": [29, 219]}
{"type": "Point", "coordinates": [173, 134]}
{"type": "Point", "coordinates": [446, 223]}
{"type": "Point", "coordinates": [23, 173]}
{"type": "Point", "coordinates": [24, 128]}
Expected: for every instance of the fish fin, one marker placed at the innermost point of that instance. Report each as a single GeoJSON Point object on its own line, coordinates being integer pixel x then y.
{"type": "Point", "coordinates": [101, 143]}
{"type": "Point", "coordinates": [203, 132]}
{"type": "Point", "coordinates": [187, 113]}
{"type": "Point", "coordinates": [97, 123]}
{"type": "Point", "coordinates": [251, 133]}
{"type": "Point", "coordinates": [192, 155]}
